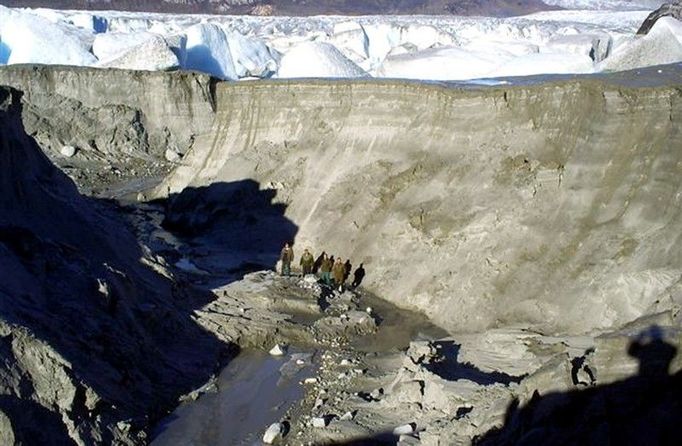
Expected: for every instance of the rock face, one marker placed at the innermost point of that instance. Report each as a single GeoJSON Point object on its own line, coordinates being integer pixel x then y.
{"type": "Point", "coordinates": [672, 9]}
{"type": "Point", "coordinates": [118, 120]}
{"type": "Point", "coordinates": [93, 341]}
{"type": "Point", "coordinates": [555, 205]}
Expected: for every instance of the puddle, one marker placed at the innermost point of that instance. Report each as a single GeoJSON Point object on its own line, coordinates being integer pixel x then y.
{"type": "Point", "coordinates": [254, 391]}
{"type": "Point", "coordinates": [397, 327]}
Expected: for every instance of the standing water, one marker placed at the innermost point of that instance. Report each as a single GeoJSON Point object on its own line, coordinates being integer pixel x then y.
{"type": "Point", "coordinates": [254, 390]}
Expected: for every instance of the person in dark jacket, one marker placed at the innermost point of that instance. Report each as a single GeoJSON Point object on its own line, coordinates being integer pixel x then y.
{"type": "Point", "coordinates": [358, 275]}
{"type": "Point", "coordinates": [286, 256]}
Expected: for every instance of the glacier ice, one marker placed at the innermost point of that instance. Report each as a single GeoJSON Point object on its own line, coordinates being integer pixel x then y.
{"type": "Point", "coordinates": [419, 47]}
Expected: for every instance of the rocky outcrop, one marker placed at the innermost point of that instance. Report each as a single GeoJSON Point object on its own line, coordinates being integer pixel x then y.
{"type": "Point", "coordinates": [95, 342]}
{"type": "Point", "coordinates": [120, 122]}
{"type": "Point", "coordinates": [553, 205]}
{"type": "Point", "coordinates": [672, 9]}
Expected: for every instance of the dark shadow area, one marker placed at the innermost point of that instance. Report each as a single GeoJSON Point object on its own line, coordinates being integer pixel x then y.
{"type": "Point", "coordinates": [32, 424]}
{"type": "Point", "coordinates": [237, 217]}
{"type": "Point", "coordinates": [449, 368]}
{"type": "Point", "coordinates": [645, 409]}
{"type": "Point", "coordinates": [71, 276]}
{"type": "Point", "coordinates": [381, 439]}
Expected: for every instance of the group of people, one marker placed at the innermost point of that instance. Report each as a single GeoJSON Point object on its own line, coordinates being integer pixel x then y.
{"type": "Point", "coordinates": [331, 271]}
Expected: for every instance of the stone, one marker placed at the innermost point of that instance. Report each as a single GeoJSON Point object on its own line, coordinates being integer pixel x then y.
{"type": "Point", "coordinates": [172, 156]}
{"type": "Point", "coordinates": [278, 350]}
{"type": "Point", "coordinates": [405, 429]}
{"type": "Point", "coordinates": [273, 432]}
{"type": "Point", "coordinates": [68, 151]}
{"type": "Point", "coordinates": [348, 416]}
{"type": "Point", "coordinates": [320, 422]}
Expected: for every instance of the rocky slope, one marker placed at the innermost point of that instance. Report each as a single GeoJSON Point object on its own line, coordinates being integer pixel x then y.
{"type": "Point", "coordinates": [96, 336]}
{"type": "Point", "coordinates": [550, 203]}
{"type": "Point", "coordinates": [555, 205]}
{"type": "Point", "coordinates": [103, 126]}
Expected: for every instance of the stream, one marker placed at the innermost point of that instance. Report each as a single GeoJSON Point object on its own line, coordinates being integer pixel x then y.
{"type": "Point", "coordinates": [256, 389]}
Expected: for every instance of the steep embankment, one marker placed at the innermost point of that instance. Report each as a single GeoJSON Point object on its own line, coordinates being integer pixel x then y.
{"type": "Point", "coordinates": [121, 124]}
{"type": "Point", "coordinates": [555, 204]}
{"type": "Point", "coordinates": [95, 336]}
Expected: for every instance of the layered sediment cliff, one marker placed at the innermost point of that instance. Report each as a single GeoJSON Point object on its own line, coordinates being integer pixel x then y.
{"type": "Point", "coordinates": [121, 124]}
{"type": "Point", "coordinates": [555, 204]}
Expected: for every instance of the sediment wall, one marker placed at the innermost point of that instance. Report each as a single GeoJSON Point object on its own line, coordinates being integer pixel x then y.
{"type": "Point", "coordinates": [554, 205]}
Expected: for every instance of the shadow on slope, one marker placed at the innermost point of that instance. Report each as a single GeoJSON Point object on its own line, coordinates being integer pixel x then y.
{"type": "Point", "coordinates": [93, 328]}
{"type": "Point", "coordinates": [449, 368]}
{"type": "Point", "coordinates": [643, 409]}
{"type": "Point", "coordinates": [236, 221]}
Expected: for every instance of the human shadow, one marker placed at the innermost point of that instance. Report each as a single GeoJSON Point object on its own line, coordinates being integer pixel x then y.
{"type": "Point", "coordinates": [643, 409]}
{"type": "Point", "coordinates": [110, 329]}
{"type": "Point", "coordinates": [448, 367]}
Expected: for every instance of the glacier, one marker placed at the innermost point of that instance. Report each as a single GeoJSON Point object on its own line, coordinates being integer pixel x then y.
{"type": "Point", "coordinates": [586, 37]}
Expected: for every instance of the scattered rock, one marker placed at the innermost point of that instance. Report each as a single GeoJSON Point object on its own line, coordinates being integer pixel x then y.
{"type": "Point", "coordinates": [275, 431]}
{"type": "Point", "coordinates": [321, 422]}
{"type": "Point", "coordinates": [68, 151]}
{"type": "Point", "coordinates": [278, 350]}
{"type": "Point", "coordinates": [172, 156]}
{"type": "Point", "coordinates": [405, 429]}
{"type": "Point", "coordinates": [348, 416]}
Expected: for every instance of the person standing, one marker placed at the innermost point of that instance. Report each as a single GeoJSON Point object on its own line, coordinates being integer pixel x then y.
{"type": "Point", "coordinates": [326, 270]}
{"type": "Point", "coordinates": [287, 256]}
{"type": "Point", "coordinates": [338, 271]}
{"type": "Point", "coordinates": [358, 275]}
{"type": "Point", "coordinates": [307, 262]}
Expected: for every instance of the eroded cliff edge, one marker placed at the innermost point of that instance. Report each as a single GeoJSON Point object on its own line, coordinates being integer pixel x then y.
{"type": "Point", "coordinates": [552, 204]}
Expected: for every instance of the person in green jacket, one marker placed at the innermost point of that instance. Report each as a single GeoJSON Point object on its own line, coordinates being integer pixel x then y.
{"type": "Point", "coordinates": [307, 262]}
{"type": "Point", "coordinates": [326, 270]}
{"type": "Point", "coordinates": [339, 271]}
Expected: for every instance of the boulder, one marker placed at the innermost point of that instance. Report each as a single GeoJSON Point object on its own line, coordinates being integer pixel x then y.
{"type": "Point", "coordinates": [68, 151]}
{"type": "Point", "coordinates": [275, 431]}
{"type": "Point", "coordinates": [405, 429]}
{"type": "Point", "coordinates": [278, 350]}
